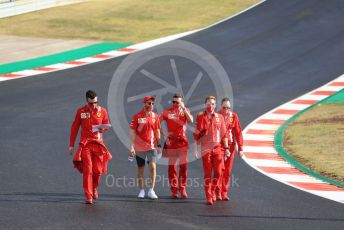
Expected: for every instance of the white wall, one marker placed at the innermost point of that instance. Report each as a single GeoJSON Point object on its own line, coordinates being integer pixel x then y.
{"type": "Point", "coordinates": [24, 6]}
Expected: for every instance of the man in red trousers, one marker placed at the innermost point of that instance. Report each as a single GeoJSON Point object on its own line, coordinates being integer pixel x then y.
{"type": "Point", "coordinates": [176, 144]}
{"type": "Point", "coordinates": [210, 132]}
{"type": "Point", "coordinates": [92, 155]}
{"type": "Point", "coordinates": [234, 130]}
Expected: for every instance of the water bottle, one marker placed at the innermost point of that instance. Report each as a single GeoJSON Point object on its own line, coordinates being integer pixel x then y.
{"type": "Point", "coordinates": [130, 158]}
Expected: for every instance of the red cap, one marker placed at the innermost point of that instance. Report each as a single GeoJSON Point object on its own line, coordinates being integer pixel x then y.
{"type": "Point", "coordinates": [147, 98]}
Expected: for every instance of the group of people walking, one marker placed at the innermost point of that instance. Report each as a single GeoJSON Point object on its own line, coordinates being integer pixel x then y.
{"type": "Point", "coordinates": [218, 134]}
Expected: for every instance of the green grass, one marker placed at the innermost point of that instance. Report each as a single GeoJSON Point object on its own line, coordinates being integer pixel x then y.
{"type": "Point", "coordinates": [121, 20]}
{"type": "Point", "coordinates": [316, 140]}
{"type": "Point", "coordinates": [69, 55]}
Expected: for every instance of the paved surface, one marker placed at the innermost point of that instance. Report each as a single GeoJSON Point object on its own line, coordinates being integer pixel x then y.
{"type": "Point", "coordinates": [15, 48]}
{"type": "Point", "coordinates": [273, 53]}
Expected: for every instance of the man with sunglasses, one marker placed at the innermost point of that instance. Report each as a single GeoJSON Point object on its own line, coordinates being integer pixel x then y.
{"type": "Point", "coordinates": [211, 134]}
{"type": "Point", "coordinates": [176, 144]}
{"type": "Point", "coordinates": [145, 144]}
{"type": "Point", "coordinates": [92, 155]}
{"type": "Point", "coordinates": [235, 132]}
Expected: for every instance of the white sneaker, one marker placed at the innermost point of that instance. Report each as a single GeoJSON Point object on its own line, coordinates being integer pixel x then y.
{"type": "Point", "coordinates": [152, 195]}
{"type": "Point", "coordinates": [141, 194]}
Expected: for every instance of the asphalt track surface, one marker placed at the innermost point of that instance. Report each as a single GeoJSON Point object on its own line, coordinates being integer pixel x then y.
{"type": "Point", "coordinates": [273, 53]}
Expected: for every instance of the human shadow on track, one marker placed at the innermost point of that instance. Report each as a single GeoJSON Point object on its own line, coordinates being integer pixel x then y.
{"type": "Point", "coordinates": [106, 198]}
{"type": "Point", "coordinates": [77, 198]}
{"type": "Point", "coordinates": [274, 217]}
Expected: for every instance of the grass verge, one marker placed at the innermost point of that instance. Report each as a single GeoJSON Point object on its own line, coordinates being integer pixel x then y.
{"type": "Point", "coordinates": [121, 20]}
{"type": "Point", "coordinates": [316, 140]}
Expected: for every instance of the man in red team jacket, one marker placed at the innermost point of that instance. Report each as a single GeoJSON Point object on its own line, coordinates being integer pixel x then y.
{"type": "Point", "coordinates": [210, 132]}
{"type": "Point", "coordinates": [145, 143]}
{"type": "Point", "coordinates": [234, 130]}
{"type": "Point", "coordinates": [176, 144]}
{"type": "Point", "coordinates": [92, 155]}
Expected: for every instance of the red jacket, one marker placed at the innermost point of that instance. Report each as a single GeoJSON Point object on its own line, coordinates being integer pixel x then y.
{"type": "Point", "coordinates": [77, 162]}
{"type": "Point", "coordinates": [176, 122]}
{"type": "Point", "coordinates": [233, 127]}
{"type": "Point", "coordinates": [86, 119]}
{"type": "Point", "coordinates": [210, 131]}
{"type": "Point", "coordinates": [145, 126]}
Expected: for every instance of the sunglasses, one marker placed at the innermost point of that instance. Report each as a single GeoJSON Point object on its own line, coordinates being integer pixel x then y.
{"type": "Point", "coordinates": [93, 102]}
{"type": "Point", "coordinates": [175, 102]}
{"type": "Point", "coordinates": [150, 103]}
{"type": "Point", "coordinates": [226, 107]}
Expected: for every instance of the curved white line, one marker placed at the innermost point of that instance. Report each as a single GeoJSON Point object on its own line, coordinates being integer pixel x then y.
{"type": "Point", "coordinates": [289, 178]}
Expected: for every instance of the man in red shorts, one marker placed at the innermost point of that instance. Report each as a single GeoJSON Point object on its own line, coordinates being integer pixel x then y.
{"type": "Point", "coordinates": [92, 155]}
{"type": "Point", "coordinates": [145, 143]}
{"type": "Point", "coordinates": [210, 132]}
{"type": "Point", "coordinates": [234, 130]}
{"type": "Point", "coordinates": [176, 145]}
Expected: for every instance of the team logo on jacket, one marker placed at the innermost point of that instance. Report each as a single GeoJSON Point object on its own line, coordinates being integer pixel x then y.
{"type": "Point", "coordinates": [85, 115]}
{"type": "Point", "coordinates": [217, 120]}
{"type": "Point", "coordinates": [142, 120]}
{"type": "Point", "coordinates": [231, 119]}
{"type": "Point", "coordinates": [153, 120]}
{"type": "Point", "coordinates": [172, 116]}
{"type": "Point", "coordinates": [99, 114]}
